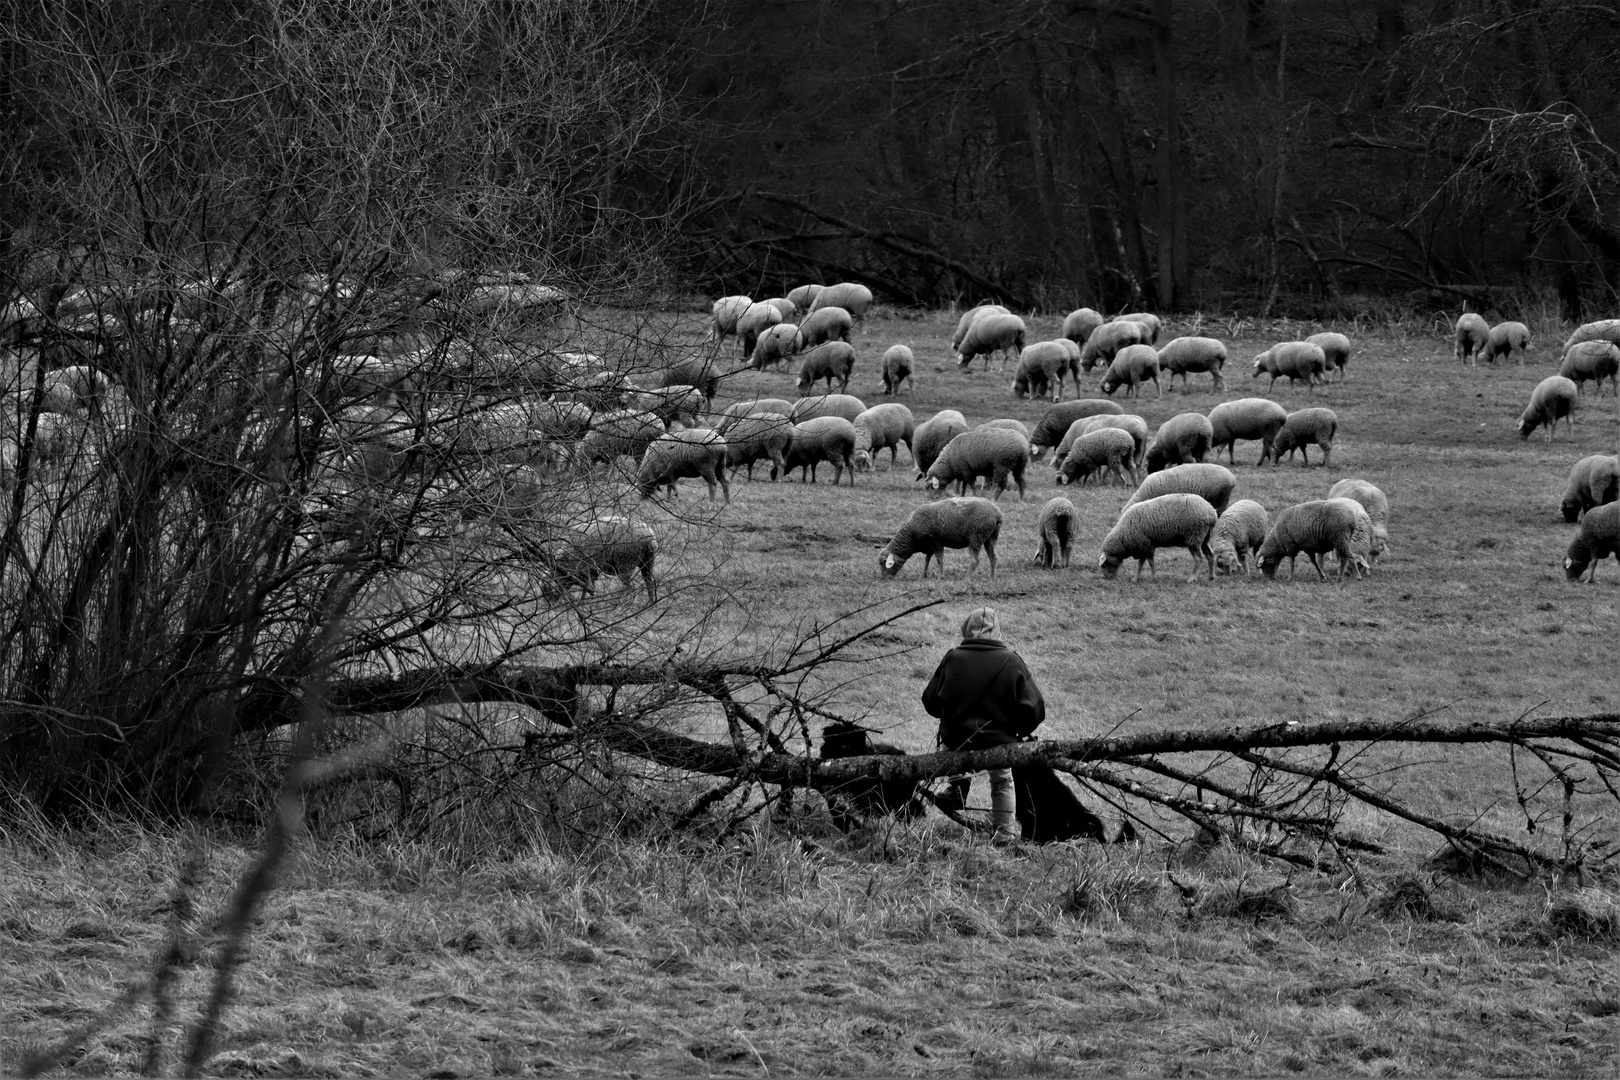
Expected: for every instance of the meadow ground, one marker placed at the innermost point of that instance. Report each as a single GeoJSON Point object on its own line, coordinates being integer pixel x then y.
{"type": "Point", "coordinates": [912, 949]}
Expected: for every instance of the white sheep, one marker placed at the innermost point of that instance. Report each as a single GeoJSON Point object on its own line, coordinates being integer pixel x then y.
{"type": "Point", "coordinates": [1132, 366]}
{"type": "Point", "coordinates": [624, 432]}
{"type": "Point", "coordinates": [1055, 421]}
{"type": "Point", "coordinates": [787, 307]}
{"type": "Point", "coordinates": [1056, 529]}
{"type": "Point", "coordinates": [1109, 449]}
{"type": "Point", "coordinates": [1240, 529]}
{"type": "Point", "coordinates": [883, 426]}
{"type": "Point", "coordinates": [826, 324]}
{"type": "Point", "coordinates": [1593, 481]}
{"type": "Point", "coordinates": [775, 345]}
{"type": "Point", "coordinates": [1210, 482]}
{"type": "Point", "coordinates": [1591, 360]}
{"type": "Point", "coordinates": [896, 368]}
{"type": "Point", "coordinates": [1130, 423]}
{"type": "Point", "coordinates": [803, 296]}
{"type": "Point", "coordinates": [612, 544]}
{"type": "Point", "coordinates": [739, 409]}
{"type": "Point", "coordinates": [1184, 355]}
{"type": "Point", "coordinates": [1295, 359]}
{"type": "Point", "coordinates": [694, 452]}
{"type": "Point", "coordinates": [932, 435]}
{"type": "Point", "coordinates": [1184, 438]}
{"type": "Point", "coordinates": [695, 371]}
{"type": "Point", "coordinates": [818, 439]}
{"type": "Point", "coordinates": [755, 321]}
{"type": "Point", "coordinates": [1340, 526]}
{"type": "Point", "coordinates": [969, 317]}
{"type": "Point", "coordinates": [1174, 520]}
{"type": "Point", "coordinates": [1246, 418]}
{"type": "Point", "coordinates": [1106, 341]}
{"type": "Point", "coordinates": [1602, 330]}
{"type": "Point", "coordinates": [1041, 367]}
{"type": "Point", "coordinates": [1597, 538]}
{"type": "Point", "coordinates": [832, 360]}
{"type": "Point", "coordinates": [1335, 350]}
{"type": "Point", "coordinates": [1147, 319]}
{"type": "Point", "coordinates": [1470, 338]}
{"type": "Point", "coordinates": [993, 453]}
{"type": "Point", "coordinates": [808, 408]}
{"type": "Point", "coordinates": [1009, 423]}
{"type": "Point", "coordinates": [1300, 430]}
{"type": "Point", "coordinates": [1553, 398]}
{"type": "Point", "coordinates": [969, 522]}
{"type": "Point", "coordinates": [1079, 324]}
{"type": "Point", "coordinates": [727, 310]}
{"type": "Point", "coordinates": [1375, 502]}
{"type": "Point", "coordinates": [991, 333]}
{"type": "Point", "coordinates": [851, 296]}
{"type": "Point", "coordinates": [758, 436]}
{"type": "Point", "coordinates": [1507, 337]}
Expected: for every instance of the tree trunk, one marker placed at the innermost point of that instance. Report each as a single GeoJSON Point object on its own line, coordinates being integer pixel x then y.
{"type": "Point", "coordinates": [1274, 226]}
{"type": "Point", "coordinates": [1167, 163]}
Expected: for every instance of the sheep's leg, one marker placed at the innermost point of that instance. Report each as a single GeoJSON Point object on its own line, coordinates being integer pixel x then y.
{"type": "Point", "coordinates": [1311, 555]}
{"type": "Point", "coordinates": [990, 554]}
{"type": "Point", "coordinates": [1304, 456]}
{"type": "Point", "coordinates": [1327, 449]}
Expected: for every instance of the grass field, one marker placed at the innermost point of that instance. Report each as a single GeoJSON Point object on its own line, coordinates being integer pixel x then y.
{"type": "Point", "coordinates": [913, 949]}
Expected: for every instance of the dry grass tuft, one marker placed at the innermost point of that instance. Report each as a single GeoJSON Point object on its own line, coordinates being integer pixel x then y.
{"type": "Point", "coordinates": [1108, 890]}
{"type": "Point", "coordinates": [1409, 896]}
{"type": "Point", "coordinates": [1249, 900]}
{"type": "Point", "coordinates": [1590, 913]}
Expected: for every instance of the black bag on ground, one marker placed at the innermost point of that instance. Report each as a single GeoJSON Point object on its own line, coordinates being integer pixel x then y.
{"type": "Point", "coordinates": [1049, 811]}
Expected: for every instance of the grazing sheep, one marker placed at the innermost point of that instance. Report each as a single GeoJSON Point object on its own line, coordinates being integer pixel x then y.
{"type": "Point", "coordinates": [781, 303]}
{"type": "Point", "coordinates": [932, 435]}
{"type": "Point", "coordinates": [1108, 449]}
{"type": "Point", "coordinates": [1240, 529]}
{"type": "Point", "coordinates": [1472, 336]}
{"type": "Point", "coordinates": [803, 296]}
{"type": "Point", "coordinates": [808, 408]}
{"type": "Point", "coordinates": [1056, 527]}
{"type": "Point", "coordinates": [693, 371]}
{"type": "Point", "coordinates": [1295, 359]}
{"type": "Point", "coordinates": [1079, 324]}
{"type": "Point", "coordinates": [755, 321]}
{"type": "Point", "coordinates": [1147, 319]}
{"type": "Point", "coordinates": [1130, 423]}
{"type": "Point", "coordinates": [1602, 330]}
{"type": "Point", "coordinates": [1593, 481]}
{"type": "Point", "coordinates": [694, 452]}
{"type": "Point", "coordinates": [831, 360]}
{"type": "Point", "coordinates": [853, 298]}
{"type": "Point", "coordinates": [727, 310]}
{"type": "Point", "coordinates": [969, 317]}
{"type": "Point", "coordinates": [1337, 525]}
{"type": "Point", "coordinates": [1213, 483]}
{"type": "Point", "coordinates": [991, 333]}
{"type": "Point", "coordinates": [1300, 430]}
{"type": "Point", "coordinates": [1597, 539]}
{"type": "Point", "coordinates": [625, 432]}
{"type": "Point", "coordinates": [1372, 500]}
{"type": "Point", "coordinates": [1073, 352]}
{"type": "Point", "coordinates": [1335, 350]}
{"type": "Point", "coordinates": [737, 410]}
{"type": "Point", "coordinates": [775, 345]}
{"type": "Point", "coordinates": [1174, 520]}
{"type": "Point", "coordinates": [1591, 360]}
{"type": "Point", "coordinates": [1505, 338]}
{"type": "Point", "coordinates": [1132, 365]}
{"type": "Point", "coordinates": [74, 390]}
{"type": "Point", "coordinates": [1106, 341]}
{"type": "Point", "coordinates": [826, 324]}
{"type": "Point", "coordinates": [1009, 423]}
{"type": "Point", "coordinates": [993, 453]}
{"type": "Point", "coordinates": [883, 426]}
{"type": "Point", "coordinates": [672, 404]}
{"type": "Point", "coordinates": [897, 364]}
{"type": "Point", "coordinates": [1553, 398]}
{"type": "Point", "coordinates": [1185, 437]}
{"type": "Point", "coordinates": [1040, 368]}
{"type": "Point", "coordinates": [1192, 354]}
{"type": "Point", "coordinates": [756, 436]}
{"type": "Point", "coordinates": [822, 438]}
{"type": "Point", "coordinates": [1055, 422]}
{"type": "Point", "coordinates": [969, 522]}
{"type": "Point", "coordinates": [613, 544]}
{"type": "Point", "coordinates": [1246, 418]}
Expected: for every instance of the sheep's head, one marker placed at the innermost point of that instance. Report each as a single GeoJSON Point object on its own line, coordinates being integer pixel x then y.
{"type": "Point", "coordinates": [1226, 560]}
{"type": "Point", "coordinates": [935, 482]}
{"type": "Point", "coordinates": [889, 563]}
{"type": "Point", "coordinates": [964, 360]}
{"type": "Point", "coordinates": [1063, 478]}
{"type": "Point", "coordinates": [1108, 564]}
{"type": "Point", "coordinates": [1527, 424]}
{"type": "Point", "coordinates": [862, 460]}
{"type": "Point", "coordinates": [1269, 561]}
{"type": "Point", "coordinates": [1575, 564]}
{"type": "Point", "coordinates": [1571, 508]}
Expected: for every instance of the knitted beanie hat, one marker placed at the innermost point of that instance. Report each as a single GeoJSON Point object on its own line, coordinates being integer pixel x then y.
{"type": "Point", "coordinates": [981, 623]}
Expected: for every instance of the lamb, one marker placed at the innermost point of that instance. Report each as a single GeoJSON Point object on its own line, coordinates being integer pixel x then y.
{"type": "Point", "coordinates": [1079, 324]}
{"type": "Point", "coordinates": [1246, 418]}
{"type": "Point", "coordinates": [1174, 520]}
{"type": "Point", "coordinates": [931, 437]}
{"type": "Point", "coordinates": [775, 345]}
{"type": "Point", "coordinates": [693, 371]}
{"type": "Point", "coordinates": [969, 522]}
{"type": "Point", "coordinates": [1597, 539]}
{"type": "Point", "coordinates": [1471, 337]}
{"type": "Point", "coordinates": [1106, 341]}
{"type": "Point", "coordinates": [1213, 483]}
{"type": "Point", "coordinates": [803, 296]}
{"type": "Point", "coordinates": [883, 426]}
{"type": "Point", "coordinates": [1317, 527]}
{"type": "Point", "coordinates": [1602, 330]}
{"type": "Point", "coordinates": [1056, 527]}
{"type": "Point", "coordinates": [1191, 354]}
{"type": "Point", "coordinates": [1184, 438]}
{"type": "Point", "coordinates": [1130, 423]}
{"type": "Point", "coordinates": [808, 408]}
{"type": "Point", "coordinates": [727, 310]}
{"type": "Point", "coordinates": [832, 360]}
{"type": "Point", "coordinates": [1009, 423]}
{"type": "Point", "coordinates": [1131, 366]}
{"type": "Point", "coordinates": [1335, 349]}
{"type": "Point", "coordinates": [758, 435]}
{"type": "Point", "coordinates": [1295, 359]}
{"type": "Point", "coordinates": [1372, 500]}
{"type": "Point", "coordinates": [694, 452]}
{"type": "Point", "coordinates": [613, 544]}
{"type": "Point", "coordinates": [991, 333]}
{"type": "Point", "coordinates": [737, 410]}
{"type": "Point", "coordinates": [1300, 430]}
{"type": "Point", "coordinates": [1553, 398]}
{"type": "Point", "coordinates": [1593, 481]}
{"type": "Point", "coordinates": [897, 364]}
{"type": "Point", "coordinates": [1040, 367]}
{"type": "Point", "coordinates": [994, 453]}
{"type": "Point", "coordinates": [781, 303]}
{"type": "Point", "coordinates": [1055, 422]}
{"type": "Point", "coordinates": [969, 317]}
{"type": "Point", "coordinates": [1591, 360]}
{"type": "Point", "coordinates": [755, 321]}
{"type": "Point", "coordinates": [1240, 529]}
{"type": "Point", "coordinates": [1147, 319]}
{"type": "Point", "coordinates": [826, 324]}
{"type": "Point", "coordinates": [822, 438]}
{"type": "Point", "coordinates": [1506, 337]}
{"type": "Point", "coordinates": [1108, 448]}
{"type": "Point", "coordinates": [625, 432]}
{"type": "Point", "coordinates": [853, 298]}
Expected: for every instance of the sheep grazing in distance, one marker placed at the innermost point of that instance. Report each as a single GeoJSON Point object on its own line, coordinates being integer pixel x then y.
{"type": "Point", "coordinates": [1246, 418]}
{"type": "Point", "coordinates": [1041, 367]}
{"type": "Point", "coordinates": [1055, 529]}
{"type": "Point", "coordinates": [1593, 481]}
{"type": "Point", "coordinates": [754, 322]}
{"type": "Point", "coordinates": [1106, 341]}
{"type": "Point", "coordinates": [1130, 423]}
{"type": "Point", "coordinates": [673, 405]}
{"type": "Point", "coordinates": [803, 296]}
{"type": "Point", "coordinates": [1300, 430]}
{"type": "Point", "coordinates": [759, 436]}
{"type": "Point", "coordinates": [1180, 440]}
{"type": "Point", "coordinates": [75, 390]}
{"type": "Point", "coordinates": [1174, 520]}
{"type": "Point", "coordinates": [969, 317]}
{"type": "Point", "coordinates": [613, 544]}
{"type": "Point", "coordinates": [1240, 529]}
{"type": "Point", "coordinates": [826, 324]}
{"type": "Point", "coordinates": [1212, 483]}
{"type": "Point", "coordinates": [1338, 525]}
{"type": "Point", "coordinates": [1110, 449]}
{"type": "Point", "coordinates": [897, 365]}
{"type": "Point", "coordinates": [1055, 421]}
{"type": "Point", "coordinates": [693, 371]}
{"type": "Point", "coordinates": [1131, 367]}
{"type": "Point", "coordinates": [831, 360]}
{"type": "Point", "coordinates": [1471, 337]}
{"type": "Point", "coordinates": [1073, 352]}
{"type": "Point", "coordinates": [991, 333]}
{"type": "Point", "coordinates": [775, 345]}
{"type": "Point", "coordinates": [1602, 330]}
{"type": "Point", "coordinates": [885, 426]}
{"type": "Point", "coordinates": [1335, 350]}
{"type": "Point", "coordinates": [1553, 399]}
{"type": "Point", "coordinates": [781, 303]}
{"type": "Point", "coordinates": [1008, 423]}
{"type": "Point", "coordinates": [808, 408]}
{"type": "Point", "coordinates": [822, 438]}
{"type": "Point", "coordinates": [1184, 355]}
{"type": "Point", "coordinates": [931, 437]}
{"type": "Point", "coordinates": [727, 310]}
{"type": "Point", "coordinates": [1505, 339]}
{"type": "Point", "coordinates": [851, 296]}
{"type": "Point", "coordinates": [739, 409]}
{"type": "Point", "coordinates": [626, 432]}
{"type": "Point", "coordinates": [1591, 360]}
{"type": "Point", "coordinates": [969, 522]}
{"type": "Point", "coordinates": [1372, 500]}
{"type": "Point", "coordinates": [1597, 539]}
{"type": "Point", "coordinates": [1147, 319]}
{"type": "Point", "coordinates": [694, 452]}
{"type": "Point", "coordinates": [1079, 324]}
{"type": "Point", "coordinates": [993, 453]}
{"type": "Point", "coordinates": [1295, 359]}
